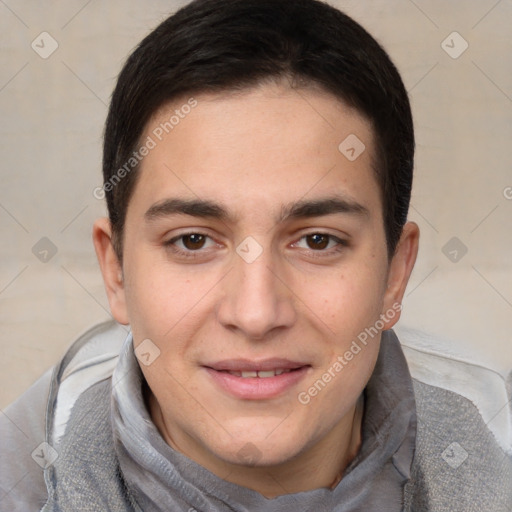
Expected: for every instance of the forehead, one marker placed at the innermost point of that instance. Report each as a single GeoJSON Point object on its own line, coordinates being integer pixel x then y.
{"type": "Point", "coordinates": [258, 150]}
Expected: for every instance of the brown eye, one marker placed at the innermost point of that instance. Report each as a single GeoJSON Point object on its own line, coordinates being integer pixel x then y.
{"type": "Point", "coordinates": [317, 241]}
{"type": "Point", "coordinates": [193, 241]}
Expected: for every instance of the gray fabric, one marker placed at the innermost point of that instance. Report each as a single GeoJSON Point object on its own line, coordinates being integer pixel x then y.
{"type": "Point", "coordinates": [86, 475]}
{"type": "Point", "coordinates": [482, 482]}
{"type": "Point", "coordinates": [22, 430]}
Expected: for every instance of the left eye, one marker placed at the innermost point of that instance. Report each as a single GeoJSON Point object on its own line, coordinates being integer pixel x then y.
{"type": "Point", "coordinates": [190, 241]}
{"type": "Point", "coordinates": [320, 241]}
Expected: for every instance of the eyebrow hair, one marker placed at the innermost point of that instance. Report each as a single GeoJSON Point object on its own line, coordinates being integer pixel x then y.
{"type": "Point", "coordinates": [193, 207]}
{"type": "Point", "coordinates": [298, 210]}
{"type": "Point", "coordinates": [323, 206]}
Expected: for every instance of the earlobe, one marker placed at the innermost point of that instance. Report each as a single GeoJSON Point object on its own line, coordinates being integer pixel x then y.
{"type": "Point", "coordinates": [111, 269]}
{"type": "Point", "coordinates": [400, 270]}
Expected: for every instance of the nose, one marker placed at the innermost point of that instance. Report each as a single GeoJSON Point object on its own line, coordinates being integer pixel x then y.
{"type": "Point", "coordinates": [256, 299]}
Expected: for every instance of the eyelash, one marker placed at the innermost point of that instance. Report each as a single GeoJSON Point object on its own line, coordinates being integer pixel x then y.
{"type": "Point", "coordinates": [318, 253]}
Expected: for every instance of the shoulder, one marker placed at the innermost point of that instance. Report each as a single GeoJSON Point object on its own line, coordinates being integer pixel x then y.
{"type": "Point", "coordinates": [485, 384]}
{"type": "Point", "coordinates": [463, 448]}
{"type": "Point", "coordinates": [86, 473]}
{"type": "Point", "coordinates": [32, 428]}
{"type": "Point", "coordinates": [22, 434]}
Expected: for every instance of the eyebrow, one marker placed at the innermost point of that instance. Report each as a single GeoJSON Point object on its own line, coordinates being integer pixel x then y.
{"type": "Point", "coordinates": [323, 206]}
{"type": "Point", "coordinates": [298, 210]}
{"type": "Point", "coordinates": [193, 207]}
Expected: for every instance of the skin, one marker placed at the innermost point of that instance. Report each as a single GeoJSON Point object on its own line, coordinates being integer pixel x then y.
{"type": "Point", "coordinates": [303, 298]}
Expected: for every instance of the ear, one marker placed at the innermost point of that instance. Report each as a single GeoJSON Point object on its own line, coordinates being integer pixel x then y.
{"type": "Point", "coordinates": [111, 269]}
{"type": "Point", "coordinates": [399, 272]}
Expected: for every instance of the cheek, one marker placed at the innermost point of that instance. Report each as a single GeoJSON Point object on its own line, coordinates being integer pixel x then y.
{"type": "Point", "coordinates": [156, 295]}
{"type": "Point", "coordinates": [166, 304]}
{"type": "Point", "coordinates": [351, 305]}
{"type": "Point", "coordinates": [348, 301]}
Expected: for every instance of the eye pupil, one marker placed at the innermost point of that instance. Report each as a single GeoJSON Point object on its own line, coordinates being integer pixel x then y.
{"type": "Point", "coordinates": [193, 241]}
{"type": "Point", "coordinates": [319, 241]}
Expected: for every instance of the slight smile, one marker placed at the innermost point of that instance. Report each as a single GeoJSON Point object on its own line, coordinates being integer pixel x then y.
{"type": "Point", "coordinates": [263, 380]}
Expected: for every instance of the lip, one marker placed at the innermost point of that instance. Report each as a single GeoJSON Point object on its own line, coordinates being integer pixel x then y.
{"type": "Point", "coordinates": [256, 388]}
{"type": "Point", "coordinates": [238, 365]}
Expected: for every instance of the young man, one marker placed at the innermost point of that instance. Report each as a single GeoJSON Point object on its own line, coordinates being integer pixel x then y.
{"type": "Point", "coordinates": [257, 167]}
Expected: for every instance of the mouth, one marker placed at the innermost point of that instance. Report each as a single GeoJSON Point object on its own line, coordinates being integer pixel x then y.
{"type": "Point", "coordinates": [249, 380]}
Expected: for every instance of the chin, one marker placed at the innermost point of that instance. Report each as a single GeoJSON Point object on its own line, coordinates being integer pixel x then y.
{"type": "Point", "coordinates": [258, 452]}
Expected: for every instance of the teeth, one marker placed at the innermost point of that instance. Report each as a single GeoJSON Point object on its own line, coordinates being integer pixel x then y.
{"type": "Point", "coordinates": [270, 373]}
{"type": "Point", "coordinates": [260, 374]}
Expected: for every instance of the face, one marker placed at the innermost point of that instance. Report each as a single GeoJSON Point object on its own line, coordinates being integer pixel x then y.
{"type": "Point", "coordinates": [254, 256]}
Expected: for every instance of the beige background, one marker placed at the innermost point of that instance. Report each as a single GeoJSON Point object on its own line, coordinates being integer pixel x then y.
{"type": "Point", "coordinates": [50, 152]}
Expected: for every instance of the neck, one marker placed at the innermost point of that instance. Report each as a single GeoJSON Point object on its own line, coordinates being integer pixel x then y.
{"type": "Point", "coordinates": [321, 466]}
